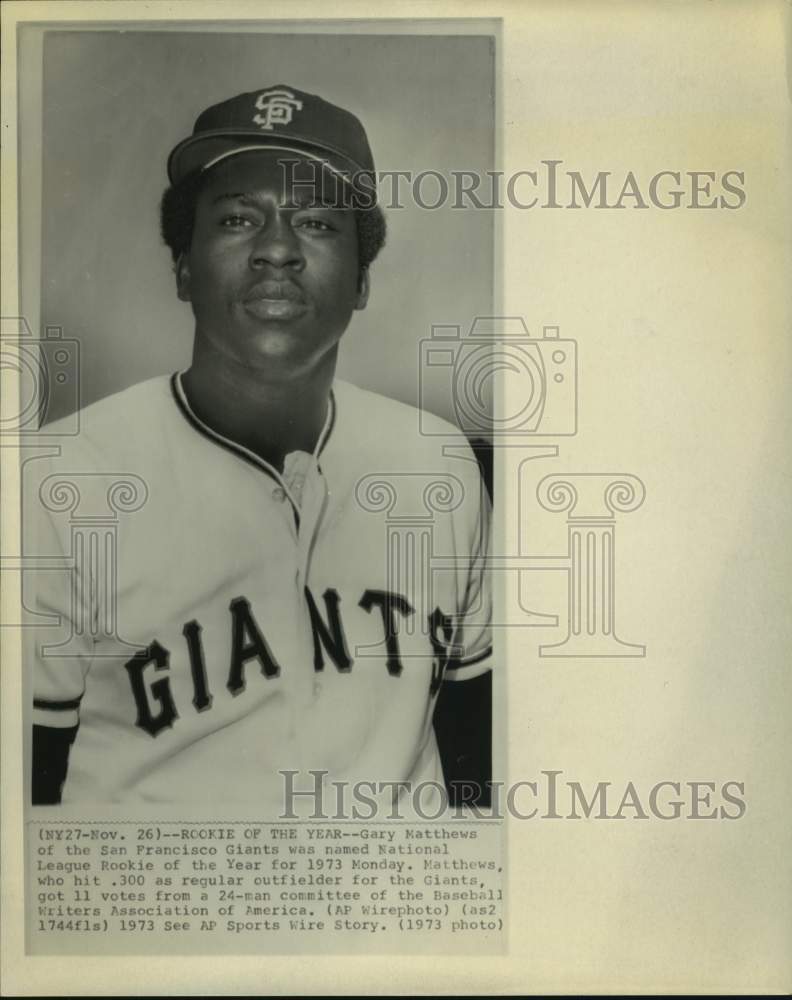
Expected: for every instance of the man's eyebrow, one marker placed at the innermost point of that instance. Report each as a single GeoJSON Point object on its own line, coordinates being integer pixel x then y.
{"type": "Point", "coordinates": [302, 199]}
{"type": "Point", "coordinates": [234, 196]}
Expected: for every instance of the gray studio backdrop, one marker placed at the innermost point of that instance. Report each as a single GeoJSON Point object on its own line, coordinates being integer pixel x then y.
{"type": "Point", "coordinates": [114, 104]}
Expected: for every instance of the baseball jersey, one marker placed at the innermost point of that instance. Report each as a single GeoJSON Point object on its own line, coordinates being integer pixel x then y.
{"type": "Point", "coordinates": [213, 622]}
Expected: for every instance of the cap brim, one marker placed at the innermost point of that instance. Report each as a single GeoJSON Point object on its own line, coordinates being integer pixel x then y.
{"type": "Point", "coordinates": [199, 152]}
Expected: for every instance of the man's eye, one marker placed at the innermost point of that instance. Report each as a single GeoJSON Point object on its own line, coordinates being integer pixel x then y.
{"type": "Point", "coordinates": [235, 221]}
{"type": "Point", "coordinates": [318, 224]}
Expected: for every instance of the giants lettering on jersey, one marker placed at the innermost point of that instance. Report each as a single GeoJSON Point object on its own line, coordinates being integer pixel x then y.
{"type": "Point", "coordinates": [156, 709]}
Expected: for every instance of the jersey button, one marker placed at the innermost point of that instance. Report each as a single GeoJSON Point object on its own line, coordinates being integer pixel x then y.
{"type": "Point", "coordinates": [279, 494]}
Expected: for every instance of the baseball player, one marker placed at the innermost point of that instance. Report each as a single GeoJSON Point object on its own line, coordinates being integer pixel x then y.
{"type": "Point", "coordinates": [292, 569]}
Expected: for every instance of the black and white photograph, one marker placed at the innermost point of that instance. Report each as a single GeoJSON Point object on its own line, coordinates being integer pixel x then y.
{"type": "Point", "coordinates": [395, 498]}
{"type": "Point", "coordinates": [260, 588]}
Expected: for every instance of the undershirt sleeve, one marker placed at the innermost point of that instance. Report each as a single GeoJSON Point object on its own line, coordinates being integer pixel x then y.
{"type": "Point", "coordinates": [50, 762]}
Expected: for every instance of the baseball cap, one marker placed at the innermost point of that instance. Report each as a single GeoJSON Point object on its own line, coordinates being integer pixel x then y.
{"type": "Point", "coordinates": [279, 117]}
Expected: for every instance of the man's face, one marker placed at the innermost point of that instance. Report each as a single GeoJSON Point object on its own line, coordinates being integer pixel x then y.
{"type": "Point", "coordinates": [272, 275]}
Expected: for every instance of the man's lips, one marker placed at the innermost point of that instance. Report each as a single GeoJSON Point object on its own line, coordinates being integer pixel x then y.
{"type": "Point", "coordinates": [275, 291]}
{"type": "Point", "coordinates": [275, 300]}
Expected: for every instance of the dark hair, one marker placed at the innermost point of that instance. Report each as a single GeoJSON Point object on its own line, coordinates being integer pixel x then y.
{"type": "Point", "coordinates": [177, 218]}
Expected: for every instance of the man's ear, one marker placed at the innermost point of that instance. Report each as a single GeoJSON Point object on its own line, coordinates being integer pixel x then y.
{"type": "Point", "coordinates": [363, 289]}
{"type": "Point", "coordinates": [182, 269]}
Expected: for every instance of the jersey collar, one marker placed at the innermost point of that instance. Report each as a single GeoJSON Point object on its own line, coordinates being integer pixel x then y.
{"type": "Point", "coordinates": [180, 397]}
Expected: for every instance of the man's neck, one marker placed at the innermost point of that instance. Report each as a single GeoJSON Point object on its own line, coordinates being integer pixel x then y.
{"type": "Point", "coordinates": [269, 418]}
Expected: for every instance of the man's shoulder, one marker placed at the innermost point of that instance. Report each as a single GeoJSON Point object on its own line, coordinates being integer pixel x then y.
{"type": "Point", "coordinates": [379, 437]}
{"type": "Point", "coordinates": [385, 424]}
{"type": "Point", "coordinates": [117, 422]}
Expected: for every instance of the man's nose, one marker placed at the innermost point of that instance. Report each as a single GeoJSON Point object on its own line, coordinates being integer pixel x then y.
{"type": "Point", "coordinates": [276, 244]}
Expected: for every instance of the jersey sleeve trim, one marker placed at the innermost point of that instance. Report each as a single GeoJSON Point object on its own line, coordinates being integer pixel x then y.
{"type": "Point", "coordinates": [56, 706]}
{"type": "Point", "coordinates": [56, 714]}
{"type": "Point", "coordinates": [56, 720]}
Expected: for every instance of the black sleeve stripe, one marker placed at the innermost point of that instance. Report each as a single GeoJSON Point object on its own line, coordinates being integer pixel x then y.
{"type": "Point", "coordinates": [56, 706]}
{"type": "Point", "coordinates": [456, 664]}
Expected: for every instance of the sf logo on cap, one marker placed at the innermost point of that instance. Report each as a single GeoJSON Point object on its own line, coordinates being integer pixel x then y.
{"type": "Point", "coordinates": [278, 107]}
